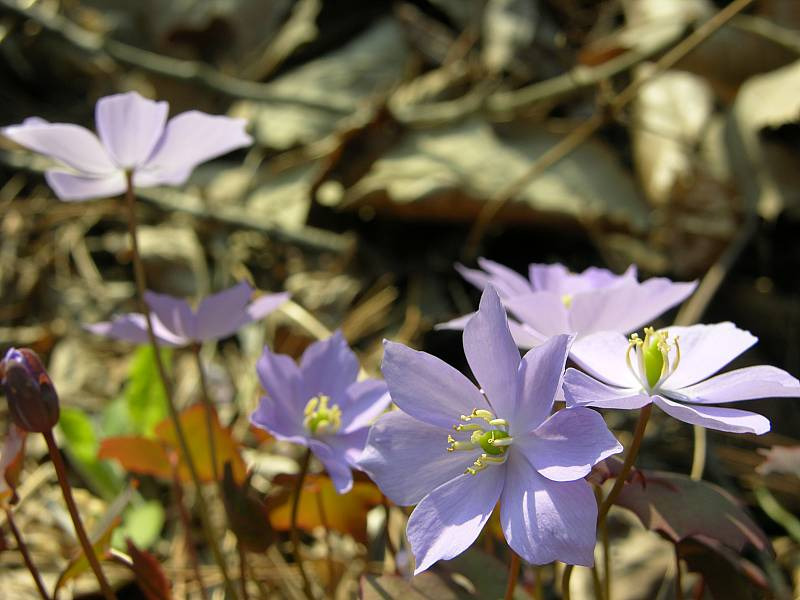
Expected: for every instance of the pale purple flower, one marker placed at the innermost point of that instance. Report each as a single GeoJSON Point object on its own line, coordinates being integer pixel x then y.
{"type": "Point", "coordinates": [320, 404]}
{"type": "Point", "coordinates": [673, 369]}
{"type": "Point", "coordinates": [552, 300]}
{"type": "Point", "coordinates": [134, 135]}
{"type": "Point", "coordinates": [175, 324]}
{"type": "Point", "coordinates": [455, 450]}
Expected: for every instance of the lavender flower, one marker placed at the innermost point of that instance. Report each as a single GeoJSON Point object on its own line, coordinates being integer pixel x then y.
{"type": "Point", "coordinates": [134, 135]}
{"type": "Point", "coordinates": [176, 324]}
{"type": "Point", "coordinates": [455, 450]}
{"type": "Point", "coordinates": [673, 370]}
{"type": "Point", "coordinates": [552, 300]}
{"type": "Point", "coordinates": [319, 404]}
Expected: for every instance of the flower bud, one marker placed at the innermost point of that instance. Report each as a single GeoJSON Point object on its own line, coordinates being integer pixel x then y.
{"type": "Point", "coordinates": [32, 399]}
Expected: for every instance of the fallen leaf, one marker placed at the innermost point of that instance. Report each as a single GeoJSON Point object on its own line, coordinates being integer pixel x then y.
{"type": "Point", "coordinates": [426, 586]}
{"type": "Point", "coordinates": [138, 454]}
{"type": "Point", "coordinates": [321, 505]}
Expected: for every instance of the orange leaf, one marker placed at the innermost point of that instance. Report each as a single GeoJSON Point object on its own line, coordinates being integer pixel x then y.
{"type": "Point", "coordinates": [193, 421]}
{"type": "Point", "coordinates": [321, 505]}
{"type": "Point", "coordinates": [138, 455]}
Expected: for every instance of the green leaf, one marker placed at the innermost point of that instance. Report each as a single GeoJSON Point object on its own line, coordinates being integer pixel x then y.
{"type": "Point", "coordinates": [141, 523]}
{"type": "Point", "coordinates": [81, 444]}
{"type": "Point", "coordinates": [144, 394]}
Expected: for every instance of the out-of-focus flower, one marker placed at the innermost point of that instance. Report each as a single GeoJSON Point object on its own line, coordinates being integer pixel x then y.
{"type": "Point", "coordinates": [319, 404]}
{"type": "Point", "coordinates": [11, 462]}
{"type": "Point", "coordinates": [672, 369]}
{"type": "Point", "coordinates": [553, 300]}
{"type": "Point", "coordinates": [32, 399]}
{"type": "Point", "coordinates": [175, 324]}
{"type": "Point", "coordinates": [134, 136]}
{"type": "Point", "coordinates": [454, 450]}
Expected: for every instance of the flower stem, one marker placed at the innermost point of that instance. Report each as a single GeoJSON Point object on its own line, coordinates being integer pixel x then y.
{"type": "Point", "coordinates": [293, 532]}
{"type": "Point", "coordinates": [23, 550]}
{"type": "Point", "coordinates": [699, 454]}
{"type": "Point", "coordinates": [209, 406]}
{"type": "Point", "coordinates": [627, 465]}
{"type": "Point", "coordinates": [513, 574]}
{"type": "Point", "coordinates": [243, 570]}
{"type": "Point", "coordinates": [141, 286]}
{"type": "Point", "coordinates": [678, 578]}
{"type": "Point", "coordinates": [186, 522]}
{"type": "Point", "coordinates": [329, 547]}
{"type": "Point", "coordinates": [565, 582]}
{"type": "Point", "coordinates": [66, 491]}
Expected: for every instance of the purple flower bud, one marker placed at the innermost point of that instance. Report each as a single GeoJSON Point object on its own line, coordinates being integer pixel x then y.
{"type": "Point", "coordinates": [32, 399]}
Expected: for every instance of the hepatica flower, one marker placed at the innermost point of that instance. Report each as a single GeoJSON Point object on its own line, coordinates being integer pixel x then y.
{"type": "Point", "coordinates": [552, 300]}
{"type": "Point", "coordinates": [133, 134]}
{"type": "Point", "coordinates": [320, 405]}
{"type": "Point", "coordinates": [673, 369]}
{"type": "Point", "coordinates": [176, 324]}
{"type": "Point", "coordinates": [455, 450]}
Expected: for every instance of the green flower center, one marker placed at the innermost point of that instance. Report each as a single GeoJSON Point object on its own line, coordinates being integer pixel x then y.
{"type": "Point", "coordinates": [493, 440]}
{"type": "Point", "coordinates": [321, 418]}
{"type": "Point", "coordinates": [653, 365]}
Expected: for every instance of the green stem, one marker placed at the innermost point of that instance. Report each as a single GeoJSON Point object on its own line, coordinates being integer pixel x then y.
{"type": "Point", "coordinates": [210, 412]}
{"type": "Point", "coordinates": [699, 453]}
{"type": "Point", "coordinates": [513, 575]}
{"type": "Point", "coordinates": [141, 286]}
{"type": "Point", "coordinates": [66, 491]}
{"type": "Point", "coordinates": [23, 550]}
{"type": "Point", "coordinates": [294, 534]}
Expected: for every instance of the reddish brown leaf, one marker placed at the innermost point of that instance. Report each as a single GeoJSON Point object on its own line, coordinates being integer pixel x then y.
{"type": "Point", "coordinates": [678, 507]}
{"type": "Point", "coordinates": [138, 454]}
{"type": "Point", "coordinates": [321, 505]}
{"type": "Point", "coordinates": [727, 575]}
{"type": "Point", "coordinates": [11, 458]}
{"type": "Point", "coordinates": [247, 513]}
{"type": "Point", "coordinates": [148, 573]}
{"type": "Point", "coordinates": [193, 421]}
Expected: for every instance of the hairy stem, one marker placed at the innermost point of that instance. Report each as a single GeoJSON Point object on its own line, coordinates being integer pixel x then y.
{"type": "Point", "coordinates": [678, 577]}
{"type": "Point", "coordinates": [23, 550]}
{"type": "Point", "coordinates": [293, 531]}
{"type": "Point", "coordinates": [627, 465]}
{"type": "Point", "coordinates": [66, 491]}
{"type": "Point", "coordinates": [186, 521]}
{"type": "Point", "coordinates": [141, 286]}
{"type": "Point", "coordinates": [513, 574]}
{"type": "Point", "coordinates": [565, 581]}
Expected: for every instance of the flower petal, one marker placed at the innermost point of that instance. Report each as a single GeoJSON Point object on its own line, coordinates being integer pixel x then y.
{"type": "Point", "coordinates": [280, 378]}
{"type": "Point", "coordinates": [545, 520]}
{"type": "Point", "coordinates": [540, 373]}
{"type": "Point", "coordinates": [133, 328]}
{"type": "Point", "coordinates": [347, 446]}
{"type": "Point", "coordinates": [69, 187]}
{"type": "Point", "coordinates": [525, 337]}
{"type": "Point", "coordinates": [287, 425]}
{"type": "Point", "coordinates": [191, 138]}
{"type": "Point", "coordinates": [543, 312]}
{"type": "Point", "coordinates": [335, 464]}
{"type": "Point", "coordinates": [456, 324]}
{"type": "Point", "coordinates": [449, 519]}
{"type": "Point", "coordinates": [427, 388]}
{"type": "Point", "coordinates": [328, 367]}
{"type": "Point", "coordinates": [71, 144]}
{"type": "Point", "coordinates": [602, 355]}
{"type": "Point", "coordinates": [221, 314]}
{"type": "Point", "coordinates": [705, 349]}
{"type": "Point", "coordinates": [583, 390]}
{"type": "Point", "coordinates": [567, 445]}
{"type": "Point", "coordinates": [506, 281]}
{"type": "Point", "coordinates": [408, 458]}
{"type": "Point", "coordinates": [626, 307]}
{"type": "Point", "coordinates": [174, 313]}
{"type": "Point", "coordinates": [714, 417]}
{"type": "Point", "coordinates": [265, 304]}
{"type": "Point", "coordinates": [130, 126]}
{"type": "Point", "coordinates": [366, 401]}
{"type": "Point", "coordinates": [743, 384]}
{"type": "Point", "coordinates": [548, 278]}
{"type": "Point", "coordinates": [492, 354]}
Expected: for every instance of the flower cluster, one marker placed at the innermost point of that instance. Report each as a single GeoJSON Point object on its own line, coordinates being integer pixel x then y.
{"type": "Point", "coordinates": [526, 436]}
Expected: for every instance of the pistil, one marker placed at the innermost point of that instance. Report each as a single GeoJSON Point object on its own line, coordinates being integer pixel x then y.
{"type": "Point", "coordinates": [493, 440]}
{"type": "Point", "coordinates": [321, 418]}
